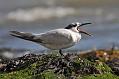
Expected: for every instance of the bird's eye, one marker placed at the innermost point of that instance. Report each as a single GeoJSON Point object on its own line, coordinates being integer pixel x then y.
{"type": "Point", "coordinates": [74, 25]}
{"type": "Point", "coordinates": [70, 26]}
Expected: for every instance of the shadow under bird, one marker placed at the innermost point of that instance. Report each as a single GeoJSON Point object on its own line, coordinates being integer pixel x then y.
{"type": "Point", "coordinates": [56, 39]}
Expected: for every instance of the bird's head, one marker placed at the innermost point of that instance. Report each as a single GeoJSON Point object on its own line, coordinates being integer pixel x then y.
{"type": "Point", "coordinates": [76, 27]}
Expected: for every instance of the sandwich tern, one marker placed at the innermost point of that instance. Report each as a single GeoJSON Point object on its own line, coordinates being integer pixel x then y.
{"type": "Point", "coordinates": [56, 39]}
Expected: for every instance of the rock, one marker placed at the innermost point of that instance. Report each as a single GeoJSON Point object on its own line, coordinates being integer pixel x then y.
{"type": "Point", "coordinates": [18, 63]}
{"type": "Point", "coordinates": [114, 64]}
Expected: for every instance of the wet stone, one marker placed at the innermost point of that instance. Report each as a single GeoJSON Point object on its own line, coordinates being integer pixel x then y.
{"type": "Point", "coordinates": [18, 63]}
{"type": "Point", "coordinates": [114, 64]}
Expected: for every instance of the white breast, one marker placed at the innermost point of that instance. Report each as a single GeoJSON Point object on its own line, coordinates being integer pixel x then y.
{"type": "Point", "coordinates": [75, 36]}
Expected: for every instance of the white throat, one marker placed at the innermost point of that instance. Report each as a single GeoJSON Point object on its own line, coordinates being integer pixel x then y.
{"type": "Point", "coordinates": [76, 36]}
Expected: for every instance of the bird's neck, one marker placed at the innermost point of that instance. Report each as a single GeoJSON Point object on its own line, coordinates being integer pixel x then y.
{"type": "Point", "coordinates": [76, 36]}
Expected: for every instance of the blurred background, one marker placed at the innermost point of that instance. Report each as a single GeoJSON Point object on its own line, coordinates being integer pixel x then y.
{"type": "Point", "coordinates": [42, 15]}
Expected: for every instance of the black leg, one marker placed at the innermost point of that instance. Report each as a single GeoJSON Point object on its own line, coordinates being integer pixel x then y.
{"type": "Point", "coordinates": [60, 51]}
{"type": "Point", "coordinates": [66, 57]}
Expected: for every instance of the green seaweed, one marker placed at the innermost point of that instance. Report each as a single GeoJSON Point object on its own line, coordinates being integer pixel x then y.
{"type": "Point", "coordinates": [46, 67]}
{"type": "Point", "coordinates": [100, 76]}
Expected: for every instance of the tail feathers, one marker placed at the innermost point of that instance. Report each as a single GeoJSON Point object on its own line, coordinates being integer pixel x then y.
{"type": "Point", "coordinates": [23, 35]}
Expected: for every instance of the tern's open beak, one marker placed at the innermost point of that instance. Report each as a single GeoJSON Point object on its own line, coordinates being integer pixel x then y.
{"type": "Point", "coordinates": [84, 24]}
{"type": "Point", "coordinates": [82, 31]}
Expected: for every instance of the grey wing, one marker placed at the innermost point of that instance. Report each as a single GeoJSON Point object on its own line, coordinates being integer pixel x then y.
{"type": "Point", "coordinates": [55, 37]}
